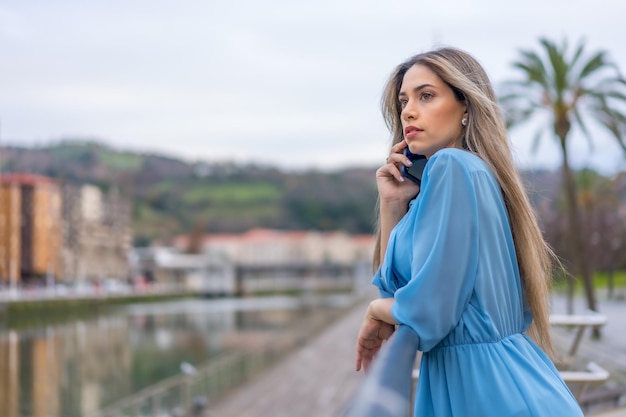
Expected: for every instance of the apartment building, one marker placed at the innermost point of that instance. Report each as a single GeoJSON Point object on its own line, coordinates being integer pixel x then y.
{"type": "Point", "coordinates": [30, 228]}
{"type": "Point", "coordinates": [61, 233]}
{"type": "Point", "coordinates": [10, 216]}
{"type": "Point", "coordinates": [96, 236]}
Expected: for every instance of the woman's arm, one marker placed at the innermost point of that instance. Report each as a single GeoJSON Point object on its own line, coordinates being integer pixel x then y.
{"type": "Point", "coordinates": [380, 309]}
{"type": "Point", "coordinates": [444, 252]}
{"type": "Point", "coordinates": [394, 193]}
{"type": "Point", "coordinates": [394, 196]}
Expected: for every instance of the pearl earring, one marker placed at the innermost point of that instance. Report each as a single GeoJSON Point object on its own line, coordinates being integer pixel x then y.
{"type": "Point", "coordinates": [464, 121]}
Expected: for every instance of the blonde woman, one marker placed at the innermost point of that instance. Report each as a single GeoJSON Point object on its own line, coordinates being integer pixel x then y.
{"type": "Point", "coordinates": [461, 259]}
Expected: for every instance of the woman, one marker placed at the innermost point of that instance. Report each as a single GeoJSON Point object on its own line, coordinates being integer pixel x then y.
{"type": "Point", "coordinates": [462, 260]}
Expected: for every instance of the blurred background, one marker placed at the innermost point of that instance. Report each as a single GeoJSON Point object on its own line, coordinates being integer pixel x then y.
{"type": "Point", "coordinates": [187, 181]}
{"type": "Point", "coordinates": [291, 84]}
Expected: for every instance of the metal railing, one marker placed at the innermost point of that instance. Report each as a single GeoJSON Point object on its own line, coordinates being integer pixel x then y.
{"type": "Point", "coordinates": [387, 391]}
{"type": "Point", "coordinates": [188, 395]}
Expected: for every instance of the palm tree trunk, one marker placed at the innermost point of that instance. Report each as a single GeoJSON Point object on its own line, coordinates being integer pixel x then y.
{"type": "Point", "coordinates": [576, 238]}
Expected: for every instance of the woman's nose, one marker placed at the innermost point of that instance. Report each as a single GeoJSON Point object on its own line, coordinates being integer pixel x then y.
{"type": "Point", "coordinates": [408, 112]}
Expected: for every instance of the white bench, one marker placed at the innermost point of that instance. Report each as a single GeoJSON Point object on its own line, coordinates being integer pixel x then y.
{"type": "Point", "coordinates": [578, 381]}
{"type": "Point", "coordinates": [581, 322]}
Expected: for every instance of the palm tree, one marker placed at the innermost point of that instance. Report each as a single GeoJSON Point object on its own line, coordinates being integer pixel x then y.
{"type": "Point", "coordinates": [571, 90]}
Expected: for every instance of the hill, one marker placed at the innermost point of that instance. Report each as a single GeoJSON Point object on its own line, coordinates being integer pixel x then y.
{"type": "Point", "coordinates": [172, 196]}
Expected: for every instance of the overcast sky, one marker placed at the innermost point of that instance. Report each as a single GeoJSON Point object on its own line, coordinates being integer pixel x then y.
{"type": "Point", "coordinates": [291, 83]}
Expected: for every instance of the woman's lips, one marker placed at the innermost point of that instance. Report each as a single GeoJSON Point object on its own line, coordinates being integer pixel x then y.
{"type": "Point", "coordinates": [411, 131]}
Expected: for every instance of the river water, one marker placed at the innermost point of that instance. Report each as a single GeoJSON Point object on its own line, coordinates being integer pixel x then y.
{"type": "Point", "coordinates": [75, 368]}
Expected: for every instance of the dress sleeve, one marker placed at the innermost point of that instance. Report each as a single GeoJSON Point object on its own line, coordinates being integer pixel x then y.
{"type": "Point", "coordinates": [381, 284]}
{"type": "Point", "coordinates": [445, 252]}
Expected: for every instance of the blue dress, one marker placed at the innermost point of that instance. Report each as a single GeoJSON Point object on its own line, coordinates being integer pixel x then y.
{"type": "Point", "coordinates": [451, 267]}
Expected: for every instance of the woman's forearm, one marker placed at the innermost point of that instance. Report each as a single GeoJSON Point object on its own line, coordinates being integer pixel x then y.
{"type": "Point", "coordinates": [380, 309]}
{"type": "Point", "coordinates": [390, 215]}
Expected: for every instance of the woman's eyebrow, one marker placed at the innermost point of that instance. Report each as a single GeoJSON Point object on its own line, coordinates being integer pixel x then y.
{"type": "Point", "coordinates": [416, 89]}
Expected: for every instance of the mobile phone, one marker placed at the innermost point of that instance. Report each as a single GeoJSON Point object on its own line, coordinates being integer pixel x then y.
{"type": "Point", "coordinates": [414, 172]}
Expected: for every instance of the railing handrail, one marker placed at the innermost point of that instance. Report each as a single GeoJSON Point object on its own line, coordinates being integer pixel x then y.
{"type": "Point", "coordinates": [387, 389]}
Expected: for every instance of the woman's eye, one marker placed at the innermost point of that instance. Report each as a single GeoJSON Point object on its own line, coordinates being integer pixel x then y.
{"type": "Point", "coordinates": [403, 103]}
{"type": "Point", "coordinates": [426, 96]}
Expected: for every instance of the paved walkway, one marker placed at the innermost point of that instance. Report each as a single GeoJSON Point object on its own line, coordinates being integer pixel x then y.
{"type": "Point", "coordinates": [319, 379]}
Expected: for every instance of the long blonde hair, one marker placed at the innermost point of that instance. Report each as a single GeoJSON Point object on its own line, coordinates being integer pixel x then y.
{"type": "Point", "coordinates": [485, 135]}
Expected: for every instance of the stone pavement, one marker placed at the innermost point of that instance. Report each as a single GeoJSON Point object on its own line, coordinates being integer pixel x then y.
{"type": "Point", "coordinates": [319, 379]}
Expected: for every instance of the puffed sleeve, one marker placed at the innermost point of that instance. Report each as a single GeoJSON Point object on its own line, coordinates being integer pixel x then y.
{"type": "Point", "coordinates": [378, 281]}
{"type": "Point", "coordinates": [445, 252]}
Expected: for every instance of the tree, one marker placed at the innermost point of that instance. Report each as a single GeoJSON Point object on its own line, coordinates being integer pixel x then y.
{"type": "Point", "coordinates": [572, 90]}
{"type": "Point", "coordinates": [603, 222]}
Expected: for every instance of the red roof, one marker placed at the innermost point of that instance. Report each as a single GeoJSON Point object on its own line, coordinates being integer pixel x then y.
{"type": "Point", "coordinates": [26, 178]}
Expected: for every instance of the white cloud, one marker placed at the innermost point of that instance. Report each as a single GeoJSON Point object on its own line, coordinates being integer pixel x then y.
{"type": "Point", "coordinates": [291, 83]}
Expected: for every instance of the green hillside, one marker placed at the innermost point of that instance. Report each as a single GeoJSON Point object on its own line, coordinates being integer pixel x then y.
{"type": "Point", "coordinates": [172, 196]}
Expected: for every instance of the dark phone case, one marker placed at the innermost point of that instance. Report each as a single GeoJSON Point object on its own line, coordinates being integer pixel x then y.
{"type": "Point", "coordinates": [414, 172]}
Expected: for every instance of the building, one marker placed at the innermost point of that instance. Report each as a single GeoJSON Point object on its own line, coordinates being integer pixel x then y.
{"type": "Point", "coordinates": [169, 268]}
{"type": "Point", "coordinates": [96, 234]}
{"type": "Point", "coordinates": [61, 233]}
{"type": "Point", "coordinates": [284, 247]}
{"type": "Point", "coordinates": [10, 216]}
{"type": "Point", "coordinates": [267, 260]}
{"type": "Point", "coordinates": [30, 228]}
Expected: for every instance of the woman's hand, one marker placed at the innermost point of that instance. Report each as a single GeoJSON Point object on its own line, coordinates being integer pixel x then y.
{"type": "Point", "coordinates": [394, 191]}
{"type": "Point", "coordinates": [373, 333]}
{"type": "Point", "coordinates": [392, 186]}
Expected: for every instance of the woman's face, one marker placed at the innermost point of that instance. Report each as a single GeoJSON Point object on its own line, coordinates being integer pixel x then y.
{"type": "Point", "coordinates": [431, 115]}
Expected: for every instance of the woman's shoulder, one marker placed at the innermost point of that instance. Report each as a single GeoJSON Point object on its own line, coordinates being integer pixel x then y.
{"type": "Point", "coordinates": [461, 160]}
{"type": "Point", "coordinates": [458, 172]}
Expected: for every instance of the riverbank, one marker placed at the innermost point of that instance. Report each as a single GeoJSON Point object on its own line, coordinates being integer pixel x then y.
{"type": "Point", "coordinates": [221, 376]}
{"type": "Point", "coordinates": [163, 350]}
{"type": "Point", "coordinates": [49, 308]}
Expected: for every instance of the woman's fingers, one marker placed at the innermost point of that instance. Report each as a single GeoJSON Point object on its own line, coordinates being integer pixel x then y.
{"type": "Point", "coordinates": [390, 170]}
{"type": "Point", "coordinates": [399, 147]}
{"type": "Point", "coordinates": [396, 152]}
{"type": "Point", "coordinates": [397, 156]}
{"type": "Point", "coordinates": [365, 358]}
{"type": "Point", "coordinates": [371, 336]}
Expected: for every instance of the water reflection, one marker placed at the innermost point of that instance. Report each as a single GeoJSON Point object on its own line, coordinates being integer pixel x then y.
{"type": "Point", "coordinates": [76, 368]}
{"type": "Point", "coordinates": [9, 375]}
